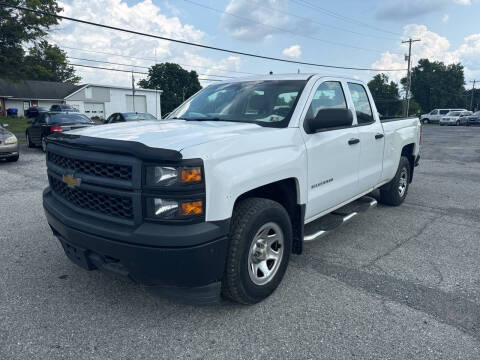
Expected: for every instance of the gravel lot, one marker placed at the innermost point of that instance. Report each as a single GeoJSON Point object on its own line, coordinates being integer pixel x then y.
{"type": "Point", "coordinates": [394, 283]}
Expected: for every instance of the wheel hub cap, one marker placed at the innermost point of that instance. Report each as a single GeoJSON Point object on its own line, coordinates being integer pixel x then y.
{"type": "Point", "coordinates": [266, 252]}
{"type": "Point", "coordinates": [402, 182]}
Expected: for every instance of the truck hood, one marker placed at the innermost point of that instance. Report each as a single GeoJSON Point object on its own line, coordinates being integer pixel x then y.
{"type": "Point", "coordinates": [171, 134]}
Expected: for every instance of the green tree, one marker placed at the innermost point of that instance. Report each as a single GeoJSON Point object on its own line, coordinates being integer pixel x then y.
{"type": "Point", "coordinates": [177, 84]}
{"type": "Point", "coordinates": [436, 85]}
{"type": "Point", "coordinates": [386, 95]}
{"type": "Point", "coordinates": [19, 27]}
{"type": "Point", "coordinates": [48, 62]}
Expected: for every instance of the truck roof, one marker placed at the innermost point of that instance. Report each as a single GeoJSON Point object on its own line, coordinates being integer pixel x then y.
{"type": "Point", "coordinates": [293, 76]}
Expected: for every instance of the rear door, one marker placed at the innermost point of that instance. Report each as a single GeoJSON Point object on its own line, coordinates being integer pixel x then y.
{"type": "Point", "coordinates": [35, 131]}
{"type": "Point", "coordinates": [332, 161]}
{"type": "Point", "coordinates": [372, 140]}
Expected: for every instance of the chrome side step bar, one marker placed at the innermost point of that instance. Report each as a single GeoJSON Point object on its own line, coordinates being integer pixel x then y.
{"type": "Point", "coordinates": [324, 225]}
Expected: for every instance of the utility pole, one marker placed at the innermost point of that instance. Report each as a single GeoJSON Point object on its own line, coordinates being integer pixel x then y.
{"type": "Point", "coordinates": [473, 91]}
{"type": "Point", "coordinates": [409, 74]}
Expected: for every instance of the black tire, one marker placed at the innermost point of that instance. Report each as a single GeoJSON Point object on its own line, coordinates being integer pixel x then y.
{"type": "Point", "coordinates": [43, 144]}
{"type": "Point", "coordinates": [249, 216]}
{"type": "Point", "coordinates": [425, 121]}
{"type": "Point", "coordinates": [30, 144]}
{"type": "Point", "coordinates": [390, 193]}
{"type": "Point", "coordinates": [457, 123]}
{"type": "Point", "coordinates": [13, 159]}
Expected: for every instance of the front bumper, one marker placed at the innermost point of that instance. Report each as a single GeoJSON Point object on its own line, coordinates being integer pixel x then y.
{"type": "Point", "coordinates": [7, 151]}
{"type": "Point", "coordinates": [189, 273]}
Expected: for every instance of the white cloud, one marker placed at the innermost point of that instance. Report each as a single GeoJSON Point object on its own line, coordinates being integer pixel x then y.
{"type": "Point", "coordinates": [293, 51]}
{"type": "Point", "coordinates": [239, 26]}
{"type": "Point", "coordinates": [398, 10]}
{"type": "Point", "coordinates": [446, 18]}
{"type": "Point", "coordinates": [143, 17]}
{"type": "Point", "coordinates": [435, 48]}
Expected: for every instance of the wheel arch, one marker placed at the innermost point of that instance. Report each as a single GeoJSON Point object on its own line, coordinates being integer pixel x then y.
{"type": "Point", "coordinates": [287, 193]}
{"type": "Point", "coordinates": [408, 151]}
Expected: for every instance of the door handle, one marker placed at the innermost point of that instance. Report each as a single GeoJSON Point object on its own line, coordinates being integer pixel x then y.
{"type": "Point", "coordinates": [353, 141]}
{"type": "Point", "coordinates": [378, 136]}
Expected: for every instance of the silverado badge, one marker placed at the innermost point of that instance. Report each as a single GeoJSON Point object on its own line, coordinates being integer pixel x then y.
{"type": "Point", "coordinates": [71, 181]}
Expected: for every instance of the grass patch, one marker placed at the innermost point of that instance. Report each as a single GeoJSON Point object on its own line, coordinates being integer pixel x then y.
{"type": "Point", "coordinates": [16, 125]}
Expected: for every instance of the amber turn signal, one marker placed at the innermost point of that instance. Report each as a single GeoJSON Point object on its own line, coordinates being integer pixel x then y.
{"type": "Point", "coordinates": [191, 208]}
{"type": "Point", "coordinates": [191, 175]}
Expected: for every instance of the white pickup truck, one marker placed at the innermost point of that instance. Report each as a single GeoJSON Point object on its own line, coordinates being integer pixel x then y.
{"type": "Point", "coordinates": [215, 198]}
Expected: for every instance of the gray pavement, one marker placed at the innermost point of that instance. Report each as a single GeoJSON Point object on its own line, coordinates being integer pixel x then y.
{"type": "Point", "coordinates": [394, 283]}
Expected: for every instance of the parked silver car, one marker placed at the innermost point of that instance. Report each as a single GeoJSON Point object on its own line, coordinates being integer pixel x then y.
{"type": "Point", "coordinates": [454, 117]}
{"type": "Point", "coordinates": [435, 115]}
{"type": "Point", "coordinates": [8, 144]}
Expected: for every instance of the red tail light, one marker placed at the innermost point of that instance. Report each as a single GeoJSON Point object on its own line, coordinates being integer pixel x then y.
{"type": "Point", "coordinates": [55, 129]}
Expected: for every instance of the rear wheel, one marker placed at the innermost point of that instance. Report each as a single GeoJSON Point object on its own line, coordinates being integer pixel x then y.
{"type": "Point", "coordinates": [30, 144]}
{"type": "Point", "coordinates": [425, 121]}
{"type": "Point", "coordinates": [44, 144]}
{"type": "Point", "coordinates": [260, 246]}
{"type": "Point", "coordinates": [395, 192]}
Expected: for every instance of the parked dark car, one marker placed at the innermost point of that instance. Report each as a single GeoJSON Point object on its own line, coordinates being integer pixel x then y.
{"type": "Point", "coordinates": [473, 119]}
{"type": "Point", "coordinates": [63, 108]}
{"type": "Point", "coordinates": [34, 111]}
{"type": "Point", "coordinates": [129, 116]}
{"type": "Point", "coordinates": [49, 123]}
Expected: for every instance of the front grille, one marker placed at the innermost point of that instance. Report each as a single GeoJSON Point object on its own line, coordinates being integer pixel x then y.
{"type": "Point", "coordinates": [93, 168]}
{"type": "Point", "coordinates": [112, 205]}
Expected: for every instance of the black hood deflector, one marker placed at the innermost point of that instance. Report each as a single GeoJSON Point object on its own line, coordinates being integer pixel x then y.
{"type": "Point", "coordinates": [133, 148]}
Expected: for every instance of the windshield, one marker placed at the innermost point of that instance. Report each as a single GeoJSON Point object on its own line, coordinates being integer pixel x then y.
{"type": "Point", "coordinates": [267, 103]}
{"type": "Point", "coordinates": [69, 119]}
{"type": "Point", "coordinates": [454, 113]}
{"type": "Point", "coordinates": [138, 116]}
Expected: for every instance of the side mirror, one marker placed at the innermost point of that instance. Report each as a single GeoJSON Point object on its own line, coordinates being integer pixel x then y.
{"type": "Point", "coordinates": [329, 119]}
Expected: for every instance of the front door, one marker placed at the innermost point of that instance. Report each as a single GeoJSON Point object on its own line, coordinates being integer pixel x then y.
{"type": "Point", "coordinates": [372, 140]}
{"type": "Point", "coordinates": [332, 161]}
{"type": "Point", "coordinates": [35, 131]}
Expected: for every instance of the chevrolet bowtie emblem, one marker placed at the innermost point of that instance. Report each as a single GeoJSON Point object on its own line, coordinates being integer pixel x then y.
{"type": "Point", "coordinates": [71, 181]}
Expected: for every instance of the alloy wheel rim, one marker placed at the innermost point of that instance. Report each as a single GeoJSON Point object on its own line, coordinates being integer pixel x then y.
{"type": "Point", "coordinates": [266, 253]}
{"type": "Point", "coordinates": [402, 183]}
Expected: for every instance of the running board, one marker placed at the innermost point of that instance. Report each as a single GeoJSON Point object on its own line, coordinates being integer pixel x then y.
{"type": "Point", "coordinates": [322, 226]}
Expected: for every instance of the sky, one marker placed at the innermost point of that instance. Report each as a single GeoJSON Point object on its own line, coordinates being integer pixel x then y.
{"type": "Point", "coordinates": [366, 34]}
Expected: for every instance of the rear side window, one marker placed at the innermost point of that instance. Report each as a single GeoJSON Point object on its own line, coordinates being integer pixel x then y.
{"type": "Point", "coordinates": [361, 103]}
{"type": "Point", "coordinates": [329, 94]}
{"type": "Point", "coordinates": [70, 119]}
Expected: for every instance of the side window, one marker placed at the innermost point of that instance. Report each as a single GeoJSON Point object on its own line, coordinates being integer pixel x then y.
{"type": "Point", "coordinates": [361, 103]}
{"type": "Point", "coordinates": [329, 94]}
{"type": "Point", "coordinates": [41, 119]}
{"type": "Point", "coordinates": [444, 112]}
{"type": "Point", "coordinates": [434, 112]}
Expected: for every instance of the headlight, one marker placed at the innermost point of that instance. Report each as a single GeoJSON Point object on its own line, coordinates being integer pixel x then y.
{"type": "Point", "coordinates": [167, 175]}
{"type": "Point", "coordinates": [169, 209]}
{"type": "Point", "coordinates": [11, 140]}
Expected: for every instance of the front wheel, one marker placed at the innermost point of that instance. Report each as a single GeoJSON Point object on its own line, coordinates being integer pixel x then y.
{"type": "Point", "coordinates": [395, 192]}
{"type": "Point", "coordinates": [260, 246]}
{"type": "Point", "coordinates": [30, 144]}
{"type": "Point", "coordinates": [425, 121]}
{"type": "Point", "coordinates": [458, 123]}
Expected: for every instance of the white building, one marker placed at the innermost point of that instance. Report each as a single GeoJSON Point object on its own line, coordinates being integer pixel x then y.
{"type": "Point", "coordinates": [90, 99]}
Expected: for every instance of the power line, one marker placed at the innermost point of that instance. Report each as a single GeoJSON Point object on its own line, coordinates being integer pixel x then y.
{"type": "Point", "coordinates": [191, 43]}
{"type": "Point", "coordinates": [340, 16]}
{"type": "Point", "coordinates": [138, 66]}
{"type": "Point", "coordinates": [127, 71]}
{"type": "Point", "coordinates": [281, 29]}
{"type": "Point", "coordinates": [152, 59]}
